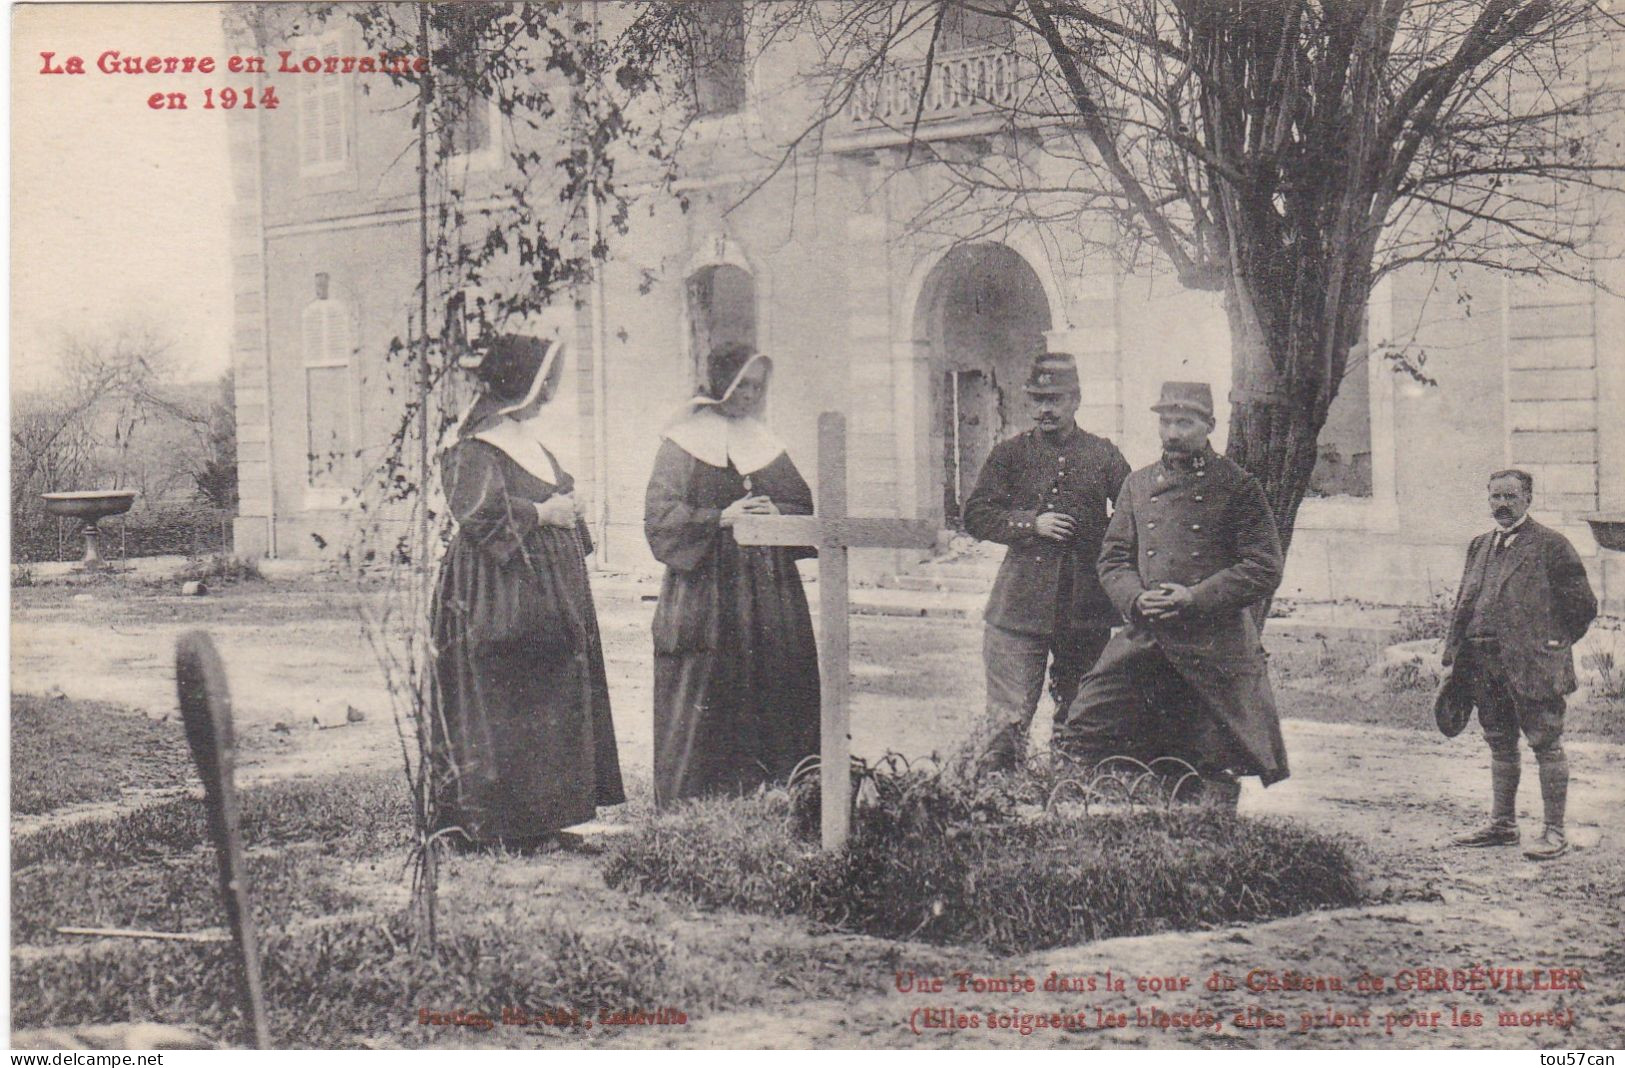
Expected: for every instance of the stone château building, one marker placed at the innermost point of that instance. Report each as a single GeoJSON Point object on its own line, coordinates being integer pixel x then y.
{"type": "Point", "coordinates": [919, 334]}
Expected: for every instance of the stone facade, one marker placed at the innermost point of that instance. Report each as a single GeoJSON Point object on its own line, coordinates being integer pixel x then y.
{"type": "Point", "coordinates": [847, 298]}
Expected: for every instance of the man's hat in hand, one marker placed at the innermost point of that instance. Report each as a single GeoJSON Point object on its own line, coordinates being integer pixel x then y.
{"type": "Point", "coordinates": [1453, 706]}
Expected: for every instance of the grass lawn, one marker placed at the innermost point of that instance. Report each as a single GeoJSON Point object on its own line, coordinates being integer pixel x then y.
{"type": "Point", "coordinates": [65, 752]}
{"type": "Point", "coordinates": [546, 934]}
{"type": "Point", "coordinates": [537, 933]}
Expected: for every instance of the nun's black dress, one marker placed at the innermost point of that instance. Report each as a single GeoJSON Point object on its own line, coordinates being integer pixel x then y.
{"type": "Point", "coordinates": [736, 665]}
{"type": "Point", "coordinates": [520, 703]}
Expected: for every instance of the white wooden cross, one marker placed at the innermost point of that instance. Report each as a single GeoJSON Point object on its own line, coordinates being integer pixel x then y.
{"type": "Point", "coordinates": [832, 532]}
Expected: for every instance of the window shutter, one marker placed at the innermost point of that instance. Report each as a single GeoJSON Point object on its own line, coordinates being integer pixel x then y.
{"type": "Point", "coordinates": [322, 119]}
{"type": "Point", "coordinates": [326, 342]}
{"type": "Point", "coordinates": [313, 345]}
{"type": "Point", "coordinates": [310, 139]}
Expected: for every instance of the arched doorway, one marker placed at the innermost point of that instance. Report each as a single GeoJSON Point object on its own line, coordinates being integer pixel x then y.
{"type": "Point", "coordinates": [983, 313]}
{"type": "Point", "coordinates": [721, 310]}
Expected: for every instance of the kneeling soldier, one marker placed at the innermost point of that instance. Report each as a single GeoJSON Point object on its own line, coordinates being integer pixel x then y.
{"type": "Point", "coordinates": [1190, 554]}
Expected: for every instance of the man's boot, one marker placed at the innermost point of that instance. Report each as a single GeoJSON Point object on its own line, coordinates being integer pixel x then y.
{"type": "Point", "coordinates": [1554, 796]}
{"type": "Point", "coordinates": [1503, 825]}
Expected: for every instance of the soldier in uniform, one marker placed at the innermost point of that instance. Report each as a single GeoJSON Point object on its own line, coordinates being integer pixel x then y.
{"type": "Point", "coordinates": [1190, 554]}
{"type": "Point", "coordinates": [1042, 493]}
{"type": "Point", "coordinates": [1524, 602]}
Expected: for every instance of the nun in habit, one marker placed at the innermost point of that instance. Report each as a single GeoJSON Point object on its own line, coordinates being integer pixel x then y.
{"type": "Point", "coordinates": [520, 703]}
{"type": "Point", "coordinates": [736, 667]}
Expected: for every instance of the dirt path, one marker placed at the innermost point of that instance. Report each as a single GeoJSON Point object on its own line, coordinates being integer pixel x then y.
{"type": "Point", "coordinates": [1401, 794]}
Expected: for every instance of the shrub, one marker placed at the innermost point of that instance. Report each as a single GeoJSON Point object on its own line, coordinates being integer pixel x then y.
{"type": "Point", "coordinates": [22, 576]}
{"type": "Point", "coordinates": [218, 569]}
{"type": "Point", "coordinates": [34, 539]}
{"type": "Point", "coordinates": [1610, 677]}
{"type": "Point", "coordinates": [171, 530]}
{"type": "Point", "coordinates": [954, 864]}
{"type": "Point", "coordinates": [1407, 675]}
{"type": "Point", "coordinates": [156, 529]}
{"type": "Point", "coordinates": [1430, 620]}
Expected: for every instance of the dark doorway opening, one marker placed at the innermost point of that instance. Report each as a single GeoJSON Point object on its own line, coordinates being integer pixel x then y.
{"type": "Point", "coordinates": [987, 315]}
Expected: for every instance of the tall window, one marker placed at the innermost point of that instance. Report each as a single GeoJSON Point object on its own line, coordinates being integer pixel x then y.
{"type": "Point", "coordinates": [470, 130]}
{"type": "Point", "coordinates": [324, 133]}
{"type": "Point", "coordinates": [963, 29]}
{"type": "Point", "coordinates": [1343, 461]}
{"type": "Point", "coordinates": [717, 60]}
{"type": "Point", "coordinates": [721, 309]}
{"type": "Point", "coordinates": [330, 433]}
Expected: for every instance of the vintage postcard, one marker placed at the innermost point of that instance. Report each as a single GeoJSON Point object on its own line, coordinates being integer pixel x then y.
{"type": "Point", "coordinates": [919, 524]}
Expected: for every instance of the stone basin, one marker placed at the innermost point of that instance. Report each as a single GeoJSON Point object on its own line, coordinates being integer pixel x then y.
{"type": "Point", "coordinates": [89, 505]}
{"type": "Point", "coordinates": [1609, 529]}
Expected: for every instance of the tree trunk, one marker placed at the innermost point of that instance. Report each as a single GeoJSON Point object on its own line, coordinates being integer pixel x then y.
{"type": "Point", "coordinates": [1283, 385]}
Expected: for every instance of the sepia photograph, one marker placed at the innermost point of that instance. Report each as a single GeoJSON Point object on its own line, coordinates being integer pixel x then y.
{"type": "Point", "coordinates": [818, 524]}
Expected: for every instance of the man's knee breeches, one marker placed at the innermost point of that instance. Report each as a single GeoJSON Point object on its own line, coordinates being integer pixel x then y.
{"type": "Point", "coordinates": [1503, 714]}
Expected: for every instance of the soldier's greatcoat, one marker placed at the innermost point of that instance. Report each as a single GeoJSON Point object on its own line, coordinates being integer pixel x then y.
{"type": "Point", "coordinates": [1208, 528]}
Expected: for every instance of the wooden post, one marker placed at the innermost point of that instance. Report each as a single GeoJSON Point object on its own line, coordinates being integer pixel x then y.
{"type": "Point", "coordinates": [835, 735]}
{"type": "Point", "coordinates": [832, 531]}
{"type": "Point", "coordinates": [200, 682]}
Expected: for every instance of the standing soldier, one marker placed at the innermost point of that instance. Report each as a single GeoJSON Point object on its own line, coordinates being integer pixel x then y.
{"type": "Point", "coordinates": [1043, 493]}
{"type": "Point", "coordinates": [1190, 552]}
{"type": "Point", "coordinates": [1524, 602]}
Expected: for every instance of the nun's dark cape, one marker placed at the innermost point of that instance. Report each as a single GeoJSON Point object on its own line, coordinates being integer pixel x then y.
{"type": "Point", "coordinates": [736, 666]}
{"type": "Point", "coordinates": [520, 700]}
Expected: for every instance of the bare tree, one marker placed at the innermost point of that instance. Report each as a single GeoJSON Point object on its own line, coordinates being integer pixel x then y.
{"type": "Point", "coordinates": [1286, 153]}
{"type": "Point", "coordinates": [115, 390]}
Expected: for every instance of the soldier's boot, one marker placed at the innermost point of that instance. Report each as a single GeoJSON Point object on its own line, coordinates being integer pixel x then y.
{"type": "Point", "coordinates": [1215, 789]}
{"type": "Point", "coordinates": [1221, 792]}
{"type": "Point", "coordinates": [1503, 825]}
{"type": "Point", "coordinates": [1001, 749]}
{"type": "Point", "coordinates": [1554, 796]}
{"type": "Point", "coordinates": [1070, 753]}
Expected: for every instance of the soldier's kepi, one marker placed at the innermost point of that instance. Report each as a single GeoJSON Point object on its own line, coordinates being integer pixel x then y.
{"type": "Point", "coordinates": [1190, 551]}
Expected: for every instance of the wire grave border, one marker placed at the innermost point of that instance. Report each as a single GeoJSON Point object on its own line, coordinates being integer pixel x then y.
{"type": "Point", "coordinates": [1050, 785]}
{"type": "Point", "coordinates": [1123, 782]}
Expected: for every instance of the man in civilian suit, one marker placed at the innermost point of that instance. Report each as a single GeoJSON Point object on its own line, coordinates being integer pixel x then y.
{"type": "Point", "coordinates": [1524, 602]}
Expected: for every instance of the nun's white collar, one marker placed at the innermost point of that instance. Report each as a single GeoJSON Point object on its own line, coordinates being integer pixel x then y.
{"type": "Point", "coordinates": [712, 438]}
